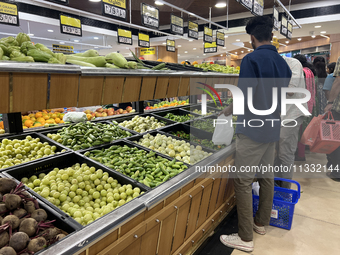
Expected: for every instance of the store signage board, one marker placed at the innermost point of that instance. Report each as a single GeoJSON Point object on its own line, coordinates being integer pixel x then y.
{"type": "Point", "coordinates": [114, 8]}
{"type": "Point", "coordinates": [192, 30]}
{"type": "Point", "coordinates": [220, 39]}
{"type": "Point", "coordinates": [9, 14]}
{"type": "Point", "coordinates": [177, 25]}
{"type": "Point", "coordinates": [276, 18]}
{"type": "Point", "coordinates": [258, 6]}
{"type": "Point", "coordinates": [150, 16]}
{"type": "Point", "coordinates": [210, 47]}
{"type": "Point", "coordinates": [247, 3]}
{"type": "Point", "coordinates": [290, 30]}
{"type": "Point", "coordinates": [59, 1]}
{"type": "Point", "coordinates": [124, 36]}
{"type": "Point", "coordinates": [147, 51]}
{"type": "Point", "coordinates": [62, 48]}
{"type": "Point", "coordinates": [70, 25]}
{"type": "Point", "coordinates": [143, 40]}
{"type": "Point", "coordinates": [276, 43]}
{"type": "Point", "coordinates": [208, 35]}
{"type": "Point", "coordinates": [170, 45]}
{"type": "Point", "coordinates": [284, 25]}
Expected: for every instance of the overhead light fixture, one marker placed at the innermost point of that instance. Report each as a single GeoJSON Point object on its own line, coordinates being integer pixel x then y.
{"type": "Point", "coordinates": [95, 0]}
{"type": "Point", "coordinates": [164, 43]}
{"type": "Point", "coordinates": [190, 40]}
{"type": "Point", "coordinates": [30, 35]}
{"type": "Point", "coordinates": [238, 40]}
{"type": "Point", "coordinates": [178, 55]}
{"type": "Point", "coordinates": [194, 49]}
{"type": "Point", "coordinates": [325, 36]}
{"type": "Point", "coordinates": [179, 46]}
{"type": "Point", "coordinates": [287, 41]}
{"type": "Point", "coordinates": [96, 47]}
{"type": "Point", "coordinates": [158, 3]}
{"type": "Point", "coordinates": [313, 36]}
{"type": "Point", "coordinates": [224, 48]}
{"type": "Point", "coordinates": [250, 42]}
{"type": "Point", "coordinates": [317, 26]}
{"type": "Point", "coordinates": [204, 54]}
{"type": "Point", "coordinates": [76, 40]}
{"type": "Point", "coordinates": [220, 5]}
{"type": "Point", "coordinates": [96, 38]}
{"type": "Point", "coordinates": [249, 50]}
{"type": "Point", "coordinates": [235, 52]}
{"type": "Point", "coordinates": [299, 39]}
{"type": "Point", "coordinates": [323, 32]}
{"type": "Point", "coordinates": [225, 36]}
{"type": "Point", "coordinates": [185, 52]}
{"type": "Point", "coordinates": [242, 51]}
{"type": "Point", "coordinates": [62, 43]}
{"type": "Point", "coordinates": [50, 30]}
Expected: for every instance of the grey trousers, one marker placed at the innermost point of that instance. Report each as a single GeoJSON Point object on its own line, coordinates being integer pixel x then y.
{"type": "Point", "coordinates": [286, 149]}
{"type": "Point", "coordinates": [251, 153]}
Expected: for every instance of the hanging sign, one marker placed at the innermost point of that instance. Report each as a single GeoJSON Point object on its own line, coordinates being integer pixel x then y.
{"type": "Point", "coordinates": [258, 6]}
{"type": "Point", "coordinates": [143, 40]}
{"type": "Point", "coordinates": [176, 25]}
{"type": "Point", "coordinates": [150, 16]}
{"type": "Point", "coordinates": [124, 36]}
{"type": "Point", "coordinates": [9, 14]}
{"type": "Point", "coordinates": [247, 3]}
{"type": "Point", "coordinates": [290, 30]}
{"type": "Point", "coordinates": [276, 18]}
{"type": "Point", "coordinates": [59, 1]}
{"type": "Point", "coordinates": [219, 39]}
{"type": "Point", "coordinates": [284, 25]}
{"type": "Point", "coordinates": [70, 25]}
{"type": "Point", "coordinates": [170, 45]}
{"type": "Point", "coordinates": [147, 51]}
{"type": "Point", "coordinates": [276, 43]}
{"type": "Point", "coordinates": [193, 30]}
{"type": "Point", "coordinates": [62, 48]}
{"type": "Point", "coordinates": [114, 8]}
{"type": "Point", "coordinates": [210, 47]}
{"type": "Point", "coordinates": [208, 35]}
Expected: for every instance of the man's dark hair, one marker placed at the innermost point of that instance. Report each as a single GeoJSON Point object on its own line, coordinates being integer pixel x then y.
{"type": "Point", "coordinates": [261, 27]}
{"type": "Point", "coordinates": [331, 67]}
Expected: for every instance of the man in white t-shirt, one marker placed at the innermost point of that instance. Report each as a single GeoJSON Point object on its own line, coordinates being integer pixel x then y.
{"type": "Point", "coordinates": [289, 135]}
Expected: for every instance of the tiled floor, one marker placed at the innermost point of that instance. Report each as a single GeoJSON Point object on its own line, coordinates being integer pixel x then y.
{"type": "Point", "coordinates": [316, 222]}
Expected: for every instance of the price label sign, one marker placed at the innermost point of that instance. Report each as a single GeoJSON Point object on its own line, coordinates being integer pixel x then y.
{"type": "Point", "coordinates": [124, 36]}
{"type": "Point", "coordinates": [247, 3]}
{"type": "Point", "coordinates": [220, 39]}
{"type": "Point", "coordinates": [176, 25]}
{"type": "Point", "coordinates": [290, 30]}
{"type": "Point", "coordinates": [62, 48]}
{"type": "Point", "coordinates": [258, 6]}
{"type": "Point", "coordinates": [114, 8]}
{"type": "Point", "coordinates": [9, 14]}
{"type": "Point", "coordinates": [70, 25]}
{"type": "Point", "coordinates": [210, 47]}
{"type": "Point", "coordinates": [208, 35]}
{"type": "Point", "coordinates": [284, 25]}
{"type": "Point", "coordinates": [150, 16]}
{"type": "Point", "coordinates": [276, 18]}
{"type": "Point", "coordinates": [170, 45]}
{"type": "Point", "coordinates": [59, 1]}
{"type": "Point", "coordinates": [149, 51]}
{"type": "Point", "coordinates": [143, 40]}
{"type": "Point", "coordinates": [193, 30]}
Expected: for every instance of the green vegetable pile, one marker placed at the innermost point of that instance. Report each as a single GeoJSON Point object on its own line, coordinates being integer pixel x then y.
{"type": "Point", "coordinates": [143, 166]}
{"type": "Point", "coordinates": [200, 112]}
{"type": "Point", "coordinates": [179, 118]}
{"type": "Point", "coordinates": [142, 124]}
{"type": "Point", "coordinates": [85, 135]}
{"type": "Point", "coordinates": [218, 68]}
{"type": "Point", "coordinates": [205, 142]}
{"type": "Point", "coordinates": [206, 125]}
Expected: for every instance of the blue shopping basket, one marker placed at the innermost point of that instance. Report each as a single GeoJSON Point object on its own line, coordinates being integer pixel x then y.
{"type": "Point", "coordinates": [283, 205]}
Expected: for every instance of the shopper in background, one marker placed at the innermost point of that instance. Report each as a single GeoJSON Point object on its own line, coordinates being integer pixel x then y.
{"type": "Point", "coordinates": [319, 64]}
{"type": "Point", "coordinates": [261, 70]}
{"type": "Point", "coordinates": [290, 132]}
{"type": "Point", "coordinates": [329, 80]}
{"type": "Point", "coordinates": [308, 70]}
{"type": "Point", "coordinates": [333, 104]}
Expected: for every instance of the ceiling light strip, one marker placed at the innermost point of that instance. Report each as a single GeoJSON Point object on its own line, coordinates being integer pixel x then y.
{"type": "Point", "coordinates": [325, 36]}
{"type": "Point", "coordinates": [288, 13]}
{"type": "Point", "coordinates": [77, 12]}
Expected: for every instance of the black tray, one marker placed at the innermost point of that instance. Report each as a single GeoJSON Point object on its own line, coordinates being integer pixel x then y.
{"type": "Point", "coordinates": [176, 112]}
{"type": "Point", "coordinates": [64, 161]}
{"type": "Point", "coordinates": [199, 107]}
{"type": "Point", "coordinates": [42, 139]}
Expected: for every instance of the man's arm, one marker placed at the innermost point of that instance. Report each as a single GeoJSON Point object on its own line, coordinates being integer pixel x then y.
{"type": "Point", "coordinates": [334, 93]}
{"type": "Point", "coordinates": [227, 111]}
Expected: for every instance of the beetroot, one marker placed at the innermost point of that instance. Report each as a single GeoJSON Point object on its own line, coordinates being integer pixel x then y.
{"type": "Point", "coordinates": [29, 207]}
{"type": "Point", "coordinates": [4, 239]}
{"type": "Point", "coordinates": [50, 233]}
{"type": "Point", "coordinates": [60, 236]}
{"type": "Point", "coordinates": [36, 244]}
{"type": "Point", "coordinates": [7, 185]}
{"type": "Point", "coordinates": [19, 241]}
{"type": "Point", "coordinates": [1, 197]}
{"type": "Point", "coordinates": [7, 250]}
{"type": "Point", "coordinates": [12, 221]}
{"type": "Point", "coordinates": [12, 201]}
{"type": "Point", "coordinates": [39, 215]}
{"type": "Point", "coordinates": [3, 208]}
{"type": "Point", "coordinates": [28, 226]}
{"type": "Point", "coordinates": [20, 212]}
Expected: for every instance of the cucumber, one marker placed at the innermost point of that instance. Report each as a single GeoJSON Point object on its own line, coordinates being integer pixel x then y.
{"type": "Point", "coordinates": [79, 63]}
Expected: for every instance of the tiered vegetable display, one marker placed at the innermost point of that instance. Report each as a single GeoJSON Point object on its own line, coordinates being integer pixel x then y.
{"type": "Point", "coordinates": [83, 192]}
{"type": "Point", "coordinates": [147, 168]}
{"type": "Point", "coordinates": [85, 135]}
{"type": "Point", "coordinates": [219, 68]}
{"type": "Point", "coordinates": [205, 142]}
{"type": "Point", "coordinates": [165, 104]}
{"type": "Point", "coordinates": [200, 112]}
{"type": "Point", "coordinates": [25, 228]}
{"type": "Point", "coordinates": [15, 152]}
{"type": "Point", "coordinates": [179, 149]}
{"type": "Point", "coordinates": [44, 118]}
{"type": "Point", "coordinates": [179, 118]}
{"type": "Point", "coordinates": [100, 112]}
{"type": "Point", "coordinates": [142, 124]}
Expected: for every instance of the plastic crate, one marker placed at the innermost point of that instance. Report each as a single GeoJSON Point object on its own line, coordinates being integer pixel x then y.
{"type": "Point", "coordinates": [283, 205]}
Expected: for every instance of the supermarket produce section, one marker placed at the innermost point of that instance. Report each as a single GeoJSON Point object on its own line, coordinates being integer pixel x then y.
{"type": "Point", "coordinates": [125, 183]}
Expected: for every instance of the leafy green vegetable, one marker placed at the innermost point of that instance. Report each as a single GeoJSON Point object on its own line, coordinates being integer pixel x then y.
{"type": "Point", "coordinates": [179, 118]}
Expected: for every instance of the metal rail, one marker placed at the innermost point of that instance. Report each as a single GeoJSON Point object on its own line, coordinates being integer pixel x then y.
{"type": "Point", "coordinates": [288, 13]}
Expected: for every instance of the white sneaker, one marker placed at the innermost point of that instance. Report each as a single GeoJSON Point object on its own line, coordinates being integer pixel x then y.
{"type": "Point", "coordinates": [234, 241]}
{"type": "Point", "coordinates": [259, 230]}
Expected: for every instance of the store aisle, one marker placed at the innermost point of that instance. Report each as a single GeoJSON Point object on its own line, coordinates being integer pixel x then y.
{"type": "Point", "coordinates": [316, 222]}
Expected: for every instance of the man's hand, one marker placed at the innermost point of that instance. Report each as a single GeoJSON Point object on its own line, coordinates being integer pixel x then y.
{"type": "Point", "coordinates": [227, 111]}
{"type": "Point", "coordinates": [328, 108]}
